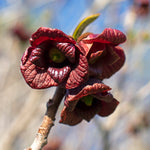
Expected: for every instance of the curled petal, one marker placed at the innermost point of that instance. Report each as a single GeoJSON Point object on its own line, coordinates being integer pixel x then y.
{"type": "Point", "coordinates": [112, 56]}
{"type": "Point", "coordinates": [36, 54]}
{"type": "Point", "coordinates": [109, 64]}
{"type": "Point", "coordinates": [70, 118]}
{"type": "Point", "coordinates": [93, 86]}
{"type": "Point", "coordinates": [93, 50]}
{"type": "Point", "coordinates": [26, 55]}
{"type": "Point", "coordinates": [80, 112]}
{"type": "Point", "coordinates": [104, 96]}
{"type": "Point", "coordinates": [68, 50]}
{"type": "Point", "coordinates": [35, 77]}
{"type": "Point", "coordinates": [110, 69]}
{"type": "Point", "coordinates": [37, 58]}
{"type": "Point", "coordinates": [109, 35]}
{"type": "Point", "coordinates": [79, 74]}
{"type": "Point", "coordinates": [108, 108]}
{"type": "Point", "coordinates": [59, 74]}
{"type": "Point", "coordinates": [85, 47]}
{"type": "Point", "coordinates": [43, 34]}
{"type": "Point", "coordinates": [95, 56]}
{"type": "Point", "coordinates": [52, 58]}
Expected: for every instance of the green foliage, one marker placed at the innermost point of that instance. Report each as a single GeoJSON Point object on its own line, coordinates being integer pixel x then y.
{"type": "Point", "coordinates": [83, 24]}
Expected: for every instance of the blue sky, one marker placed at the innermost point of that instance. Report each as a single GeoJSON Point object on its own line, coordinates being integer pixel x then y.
{"type": "Point", "coordinates": [66, 13]}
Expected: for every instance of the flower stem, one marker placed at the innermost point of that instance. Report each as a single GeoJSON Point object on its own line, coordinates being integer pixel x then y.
{"type": "Point", "coordinates": [48, 121]}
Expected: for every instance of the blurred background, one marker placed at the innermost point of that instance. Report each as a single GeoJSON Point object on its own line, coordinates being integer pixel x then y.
{"type": "Point", "coordinates": [22, 108]}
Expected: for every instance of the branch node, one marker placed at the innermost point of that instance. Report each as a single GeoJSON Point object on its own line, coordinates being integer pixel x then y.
{"type": "Point", "coordinates": [50, 103]}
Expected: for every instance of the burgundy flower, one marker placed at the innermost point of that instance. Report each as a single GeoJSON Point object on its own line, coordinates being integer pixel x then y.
{"type": "Point", "coordinates": [54, 58]}
{"type": "Point", "coordinates": [141, 7]}
{"type": "Point", "coordinates": [104, 56]}
{"type": "Point", "coordinates": [86, 101]}
{"type": "Point", "coordinates": [20, 31]}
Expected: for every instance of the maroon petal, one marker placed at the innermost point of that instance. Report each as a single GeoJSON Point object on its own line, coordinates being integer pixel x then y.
{"type": "Point", "coordinates": [104, 96]}
{"type": "Point", "coordinates": [107, 36]}
{"type": "Point", "coordinates": [36, 77]}
{"type": "Point", "coordinates": [97, 50]}
{"type": "Point", "coordinates": [86, 47]}
{"type": "Point", "coordinates": [68, 50]}
{"type": "Point", "coordinates": [92, 86]}
{"type": "Point", "coordinates": [110, 69]}
{"type": "Point", "coordinates": [108, 108]}
{"type": "Point", "coordinates": [36, 57]}
{"type": "Point", "coordinates": [70, 118]}
{"type": "Point", "coordinates": [109, 64]}
{"type": "Point", "coordinates": [36, 54]}
{"type": "Point", "coordinates": [95, 56]}
{"type": "Point", "coordinates": [59, 74]}
{"type": "Point", "coordinates": [43, 34]}
{"type": "Point", "coordinates": [111, 55]}
{"type": "Point", "coordinates": [26, 55]}
{"type": "Point", "coordinates": [79, 74]}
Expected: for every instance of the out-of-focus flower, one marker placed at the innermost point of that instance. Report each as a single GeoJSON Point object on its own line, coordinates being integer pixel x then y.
{"type": "Point", "coordinates": [85, 101]}
{"type": "Point", "coordinates": [141, 7]}
{"type": "Point", "coordinates": [53, 59]}
{"type": "Point", "coordinates": [135, 126]}
{"type": "Point", "coordinates": [104, 55]}
{"type": "Point", "coordinates": [20, 32]}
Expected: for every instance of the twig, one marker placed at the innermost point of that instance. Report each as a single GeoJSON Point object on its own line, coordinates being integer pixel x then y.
{"type": "Point", "coordinates": [48, 120]}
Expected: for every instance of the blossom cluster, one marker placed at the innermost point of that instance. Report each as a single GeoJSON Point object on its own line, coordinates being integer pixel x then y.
{"type": "Point", "coordinates": [56, 59]}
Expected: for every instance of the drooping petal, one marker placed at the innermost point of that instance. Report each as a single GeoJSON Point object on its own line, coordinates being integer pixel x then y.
{"type": "Point", "coordinates": [111, 55]}
{"type": "Point", "coordinates": [59, 74]}
{"type": "Point", "coordinates": [70, 118]}
{"type": "Point", "coordinates": [109, 35]}
{"type": "Point", "coordinates": [44, 33]}
{"type": "Point", "coordinates": [108, 108]}
{"type": "Point", "coordinates": [78, 108]}
{"type": "Point", "coordinates": [110, 69]}
{"type": "Point", "coordinates": [92, 86]}
{"type": "Point", "coordinates": [80, 112]}
{"type": "Point", "coordinates": [68, 50]}
{"type": "Point", "coordinates": [79, 74]}
{"type": "Point", "coordinates": [37, 58]}
{"type": "Point", "coordinates": [36, 77]}
{"type": "Point", "coordinates": [26, 55]}
{"type": "Point", "coordinates": [109, 64]}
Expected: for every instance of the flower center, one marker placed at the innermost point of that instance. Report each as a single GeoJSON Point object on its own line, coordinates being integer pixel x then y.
{"type": "Point", "coordinates": [56, 55]}
{"type": "Point", "coordinates": [87, 100]}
